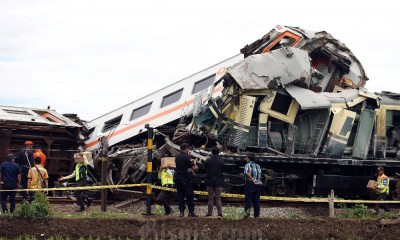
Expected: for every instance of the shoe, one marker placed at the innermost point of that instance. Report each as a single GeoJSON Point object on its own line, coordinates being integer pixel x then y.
{"type": "Point", "coordinates": [181, 214]}
{"type": "Point", "coordinates": [80, 209]}
{"type": "Point", "coordinates": [192, 214]}
{"type": "Point", "coordinates": [169, 213]}
{"type": "Point", "coordinates": [89, 202]}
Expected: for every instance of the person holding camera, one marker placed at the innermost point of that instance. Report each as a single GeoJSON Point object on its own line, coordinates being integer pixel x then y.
{"type": "Point", "coordinates": [25, 162]}
{"type": "Point", "coordinates": [37, 178]}
{"type": "Point", "coordinates": [183, 180]}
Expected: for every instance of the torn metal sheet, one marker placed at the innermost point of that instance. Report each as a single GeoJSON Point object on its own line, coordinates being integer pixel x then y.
{"type": "Point", "coordinates": [272, 70]}
{"type": "Point", "coordinates": [307, 98]}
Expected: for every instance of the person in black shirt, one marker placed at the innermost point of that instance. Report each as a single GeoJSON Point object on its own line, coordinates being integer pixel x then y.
{"type": "Point", "coordinates": [214, 181]}
{"type": "Point", "coordinates": [183, 181]}
{"type": "Point", "coordinates": [25, 162]}
{"type": "Point", "coordinates": [11, 179]}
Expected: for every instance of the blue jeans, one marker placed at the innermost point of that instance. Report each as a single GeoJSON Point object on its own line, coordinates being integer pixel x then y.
{"type": "Point", "coordinates": [252, 197]}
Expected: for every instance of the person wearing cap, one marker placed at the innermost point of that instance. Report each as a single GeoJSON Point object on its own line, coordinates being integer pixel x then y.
{"type": "Point", "coordinates": [382, 190]}
{"type": "Point", "coordinates": [80, 175]}
{"type": "Point", "coordinates": [11, 179]}
{"type": "Point", "coordinates": [37, 178]}
{"type": "Point", "coordinates": [37, 152]}
{"type": "Point", "coordinates": [25, 162]}
{"type": "Point", "coordinates": [183, 181]}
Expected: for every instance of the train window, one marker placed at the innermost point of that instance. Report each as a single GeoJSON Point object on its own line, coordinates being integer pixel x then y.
{"type": "Point", "coordinates": [171, 98]}
{"type": "Point", "coordinates": [291, 40]}
{"type": "Point", "coordinates": [203, 84]}
{"type": "Point", "coordinates": [280, 106]}
{"type": "Point", "coordinates": [281, 103]}
{"type": "Point", "coordinates": [141, 111]}
{"type": "Point", "coordinates": [19, 112]}
{"type": "Point", "coordinates": [113, 123]}
{"type": "Point", "coordinates": [49, 116]}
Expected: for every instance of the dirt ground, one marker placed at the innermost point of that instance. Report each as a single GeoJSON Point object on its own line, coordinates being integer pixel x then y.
{"type": "Point", "coordinates": [128, 222]}
{"type": "Point", "coordinates": [197, 228]}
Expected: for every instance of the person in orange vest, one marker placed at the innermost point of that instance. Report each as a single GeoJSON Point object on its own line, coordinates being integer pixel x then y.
{"type": "Point", "coordinates": [37, 152]}
{"type": "Point", "coordinates": [382, 190]}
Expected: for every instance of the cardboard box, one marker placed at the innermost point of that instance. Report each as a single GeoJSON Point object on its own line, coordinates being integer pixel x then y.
{"type": "Point", "coordinates": [80, 157]}
{"type": "Point", "coordinates": [168, 161]}
{"type": "Point", "coordinates": [372, 184]}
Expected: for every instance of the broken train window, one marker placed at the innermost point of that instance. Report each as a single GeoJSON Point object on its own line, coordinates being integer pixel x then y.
{"type": "Point", "coordinates": [113, 123]}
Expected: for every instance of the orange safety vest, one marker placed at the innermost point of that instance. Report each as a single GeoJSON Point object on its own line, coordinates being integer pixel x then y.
{"type": "Point", "coordinates": [39, 153]}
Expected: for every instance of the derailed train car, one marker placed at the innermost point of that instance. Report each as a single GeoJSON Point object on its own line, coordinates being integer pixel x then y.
{"type": "Point", "coordinates": [297, 101]}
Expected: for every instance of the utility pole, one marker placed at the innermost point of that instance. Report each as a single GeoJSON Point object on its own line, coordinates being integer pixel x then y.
{"type": "Point", "coordinates": [149, 166]}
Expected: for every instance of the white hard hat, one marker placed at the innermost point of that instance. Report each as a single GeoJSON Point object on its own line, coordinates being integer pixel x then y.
{"type": "Point", "coordinates": [100, 134]}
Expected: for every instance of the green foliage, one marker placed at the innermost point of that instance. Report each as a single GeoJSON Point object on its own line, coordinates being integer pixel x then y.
{"type": "Point", "coordinates": [341, 205]}
{"type": "Point", "coordinates": [101, 214]}
{"type": "Point", "coordinates": [294, 216]}
{"type": "Point", "coordinates": [390, 215]}
{"type": "Point", "coordinates": [38, 208]}
{"type": "Point", "coordinates": [158, 210]}
{"type": "Point", "coordinates": [358, 211]}
{"type": "Point", "coordinates": [234, 214]}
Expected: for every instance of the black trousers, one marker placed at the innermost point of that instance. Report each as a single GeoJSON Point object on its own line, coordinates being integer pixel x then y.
{"type": "Point", "coordinates": [381, 197]}
{"type": "Point", "coordinates": [24, 182]}
{"type": "Point", "coordinates": [81, 194]}
{"type": "Point", "coordinates": [184, 189]}
{"type": "Point", "coordinates": [252, 197]}
{"type": "Point", "coordinates": [164, 198]}
{"type": "Point", "coordinates": [10, 194]}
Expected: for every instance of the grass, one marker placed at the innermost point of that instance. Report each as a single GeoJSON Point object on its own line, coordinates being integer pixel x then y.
{"type": "Point", "coordinates": [93, 214]}
{"type": "Point", "coordinates": [63, 238]}
{"type": "Point", "coordinates": [233, 213]}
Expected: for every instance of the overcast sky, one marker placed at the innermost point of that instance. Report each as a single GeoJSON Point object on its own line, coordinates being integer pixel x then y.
{"type": "Point", "coordinates": [90, 57]}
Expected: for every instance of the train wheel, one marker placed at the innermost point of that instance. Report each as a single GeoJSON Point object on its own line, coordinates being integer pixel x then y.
{"type": "Point", "coordinates": [282, 190]}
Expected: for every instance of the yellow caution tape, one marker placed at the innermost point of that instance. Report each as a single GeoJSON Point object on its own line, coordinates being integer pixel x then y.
{"type": "Point", "coordinates": [284, 199]}
{"type": "Point", "coordinates": [79, 188]}
{"type": "Point", "coordinates": [226, 195]}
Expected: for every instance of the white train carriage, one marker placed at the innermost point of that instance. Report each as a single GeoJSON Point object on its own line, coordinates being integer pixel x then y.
{"type": "Point", "coordinates": [156, 109]}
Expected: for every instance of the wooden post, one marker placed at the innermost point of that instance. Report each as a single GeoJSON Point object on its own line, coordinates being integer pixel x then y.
{"type": "Point", "coordinates": [331, 198]}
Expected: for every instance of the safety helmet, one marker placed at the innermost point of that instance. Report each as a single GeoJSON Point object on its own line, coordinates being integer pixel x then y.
{"type": "Point", "coordinates": [100, 134]}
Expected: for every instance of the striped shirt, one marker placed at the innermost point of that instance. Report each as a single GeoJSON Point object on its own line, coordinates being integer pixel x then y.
{"type": "Point", "coordinates": [253, 169]}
